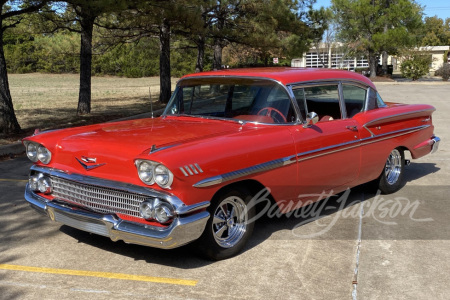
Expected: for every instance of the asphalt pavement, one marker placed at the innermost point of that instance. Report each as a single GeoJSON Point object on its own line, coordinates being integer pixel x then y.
{"type": "Point", "coordinates": [357, 246]}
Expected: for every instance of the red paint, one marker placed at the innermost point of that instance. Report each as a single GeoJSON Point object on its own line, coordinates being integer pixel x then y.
{"type": "Point", "coordinates": [220, 146]}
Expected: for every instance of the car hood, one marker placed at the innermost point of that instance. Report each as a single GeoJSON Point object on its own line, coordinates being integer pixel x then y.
{"type": "Point", "coordinates": [138, 136]}
{"type": "Point", "coordinates": [114, 146]}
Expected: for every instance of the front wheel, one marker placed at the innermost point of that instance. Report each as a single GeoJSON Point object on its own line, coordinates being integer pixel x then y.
{"type": "Point", "coordinates": [391, 179]}
{"type": "Point", "coordinates": [227, 230]}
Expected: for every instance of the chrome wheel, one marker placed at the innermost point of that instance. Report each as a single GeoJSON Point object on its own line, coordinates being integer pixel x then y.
{"type": "Point", "coordinates": [230, 221]}
{"type": "Point", "coordinates": [393, 167]}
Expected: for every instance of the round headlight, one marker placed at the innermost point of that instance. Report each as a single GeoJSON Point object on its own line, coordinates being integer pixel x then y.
{"type": "Point", "coordinates": [32, 149]}
{"type": "Point", "coordinates": [163, 177]}
{"type": "Point", "coordinates": [45, 185]}
{"type": "Point", "coordinates": [146, 209]}
{"type": "Point", "coordinates": [145, 171]}
{"type": "Point", "coordinates": [33, 182]}
{"type": "Point", "coordinates": [43, 154]}
{"type": "Point", "coordinates": [163, 212]}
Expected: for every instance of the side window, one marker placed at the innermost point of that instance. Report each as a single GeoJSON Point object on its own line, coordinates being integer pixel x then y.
{"type": "Point", "coordinates": [354, 98]}
{"type": "Point", "coordinates": [299, 95]}
{"type": "Point", "coordinates": [278, 100]}
{"type": "Point", "coordinates": [324, 101]}
{"type": "Point", "coordinates": [380, 102]}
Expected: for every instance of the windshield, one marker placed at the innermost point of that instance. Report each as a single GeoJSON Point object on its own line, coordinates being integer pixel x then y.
{"type": "Point", "coordinates": [253, 100]}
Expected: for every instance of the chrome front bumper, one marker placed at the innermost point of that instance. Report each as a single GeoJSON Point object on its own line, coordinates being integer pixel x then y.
{"type": "Point", "coordinates": [182, 230]}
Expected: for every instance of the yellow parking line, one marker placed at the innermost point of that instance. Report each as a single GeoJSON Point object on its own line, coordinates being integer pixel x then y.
{"type": "Point", "coordinates": [14, 180]}
{"type": "Point", "coordinates": [100, 274]}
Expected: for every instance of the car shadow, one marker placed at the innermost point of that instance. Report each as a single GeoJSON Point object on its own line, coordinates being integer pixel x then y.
{"type": "Point", "coordinates": [183, 257]}
{"type": "Point", "coordinates": [418, 170]}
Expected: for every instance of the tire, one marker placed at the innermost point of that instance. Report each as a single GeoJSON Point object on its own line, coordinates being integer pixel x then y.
{"type": "Point", "coordinates": [227, 230]}
{"type": "Point", "coordinates": [391, 178]}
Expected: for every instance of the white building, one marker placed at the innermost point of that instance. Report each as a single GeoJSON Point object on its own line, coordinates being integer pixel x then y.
{"type": "Point", "coordinates": [333, 56]}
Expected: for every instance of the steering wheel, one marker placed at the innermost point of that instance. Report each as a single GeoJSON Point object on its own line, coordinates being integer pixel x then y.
{"type": "Point", "coordinates": [267, 111]}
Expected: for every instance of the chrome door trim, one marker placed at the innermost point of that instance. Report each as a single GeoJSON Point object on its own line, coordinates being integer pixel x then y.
{"type": "Point", "coordinates": [278, 163]}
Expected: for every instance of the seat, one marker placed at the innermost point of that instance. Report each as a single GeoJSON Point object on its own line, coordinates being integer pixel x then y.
{"type": "Point", "coordinates": [326, 118]}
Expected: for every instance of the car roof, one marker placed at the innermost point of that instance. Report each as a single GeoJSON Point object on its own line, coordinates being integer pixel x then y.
{"type": "Point", "coordinates": [287, 75]}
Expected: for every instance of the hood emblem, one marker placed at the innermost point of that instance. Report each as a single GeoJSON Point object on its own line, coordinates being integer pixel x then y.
{"type": "Point", "coordinates": [88, 159]}
{"type": "Point", "coordinates": [86, 162]}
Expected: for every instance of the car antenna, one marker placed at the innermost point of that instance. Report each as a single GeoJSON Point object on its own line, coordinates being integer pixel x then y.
{"type": "Point", "coordinates": [151, 103]}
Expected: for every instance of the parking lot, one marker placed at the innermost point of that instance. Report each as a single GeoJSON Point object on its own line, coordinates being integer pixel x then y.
{"type": "Point", "coordinates": [366, 246]}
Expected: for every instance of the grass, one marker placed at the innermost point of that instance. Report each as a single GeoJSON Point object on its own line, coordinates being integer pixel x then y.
{"type": "Point", "coordinates": [49, 101]}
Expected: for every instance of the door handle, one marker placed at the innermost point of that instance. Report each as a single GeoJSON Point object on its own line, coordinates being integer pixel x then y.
{"type": "Point", "coordinates": [352, 128]}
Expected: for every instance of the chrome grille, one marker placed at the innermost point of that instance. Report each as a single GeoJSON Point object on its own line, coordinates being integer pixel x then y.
{"type": "Point", "coordinates": [98, 199]}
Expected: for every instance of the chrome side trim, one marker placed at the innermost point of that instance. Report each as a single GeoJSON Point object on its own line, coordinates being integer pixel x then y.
{"type": "Point", "coordinates": [273, 164]}
{"type": "Point", "coordinates": [393, 116]}
{"type": "Point", "coordinates": [370, 131]}
{"type": "Point", "coordinates": [357, 143]}
{"type": "Point", "coordinates": [211, 181]}
{"type": "Point", "coordinates": [353, 143]}
{"type": "Point", "coordinates": [385, 136]}
{"type": "Point", "coordinates": [180, 207]}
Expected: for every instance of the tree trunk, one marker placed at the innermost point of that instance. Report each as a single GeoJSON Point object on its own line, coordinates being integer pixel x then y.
{"type": "Point", "coordinates": [87, 27]}
{"type": "Point", "coordinates": [164, 62]}
{"type": "Point", "coordinates": [219, 42]}
{"type": "Point", "coordinates": [217, 63]}
{"type": "Point", "coordinates": [384, 62]}
{"type": "Point", "coordinates": [200, 54]}
{"type": "Point", "coordinates": [373, 64]}
{"type": "Point", "coordinates": [8, 120]}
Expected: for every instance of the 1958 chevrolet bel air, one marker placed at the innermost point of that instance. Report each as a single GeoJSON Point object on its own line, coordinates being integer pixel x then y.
{"type": "Point", "coordinates": [190, 174]}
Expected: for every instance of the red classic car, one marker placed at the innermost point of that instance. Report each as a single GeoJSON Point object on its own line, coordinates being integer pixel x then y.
{"type": "Point", "coordinates": [190, 174]}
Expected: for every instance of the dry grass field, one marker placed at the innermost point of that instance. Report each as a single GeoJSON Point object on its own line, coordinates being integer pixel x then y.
{"type": "Point", "coordinates": [49, 101]}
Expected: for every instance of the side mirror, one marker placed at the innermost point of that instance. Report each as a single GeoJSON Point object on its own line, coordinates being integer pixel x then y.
{"type": "Point", "coordinates": [311, 119]}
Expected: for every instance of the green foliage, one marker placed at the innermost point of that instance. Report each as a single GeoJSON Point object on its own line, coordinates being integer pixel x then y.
{"type": "Point", "coordinates": [436, 32]}
{"type": "Point", "coordinates": [252, 32]}
{"type": "Point", "coordinates": [275, 28]}
{"type": "Point", "coordinates": [58, 53]}
{"type": "Point", "coordinates": [444, 72]}
{"type": "Point", "coordinates": [372, 26]}
{"type": "Point", "coordinates": [20, 51]}
{"type": "Point", "coordinates": [416, 65]}
{"type": "Point", "coordinates": [130, 60]}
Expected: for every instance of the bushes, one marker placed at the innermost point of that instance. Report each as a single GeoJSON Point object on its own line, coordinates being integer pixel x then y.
{"type": "Point", "coordinates": [416, 65]}
{"type": "Point", "coordinates": [444, 71]}
{"type": "Point", "coordinates": [59, 53]}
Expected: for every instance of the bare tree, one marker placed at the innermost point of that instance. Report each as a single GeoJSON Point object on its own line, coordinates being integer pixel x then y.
{"type": "Point", "coordinates": [10, 16]}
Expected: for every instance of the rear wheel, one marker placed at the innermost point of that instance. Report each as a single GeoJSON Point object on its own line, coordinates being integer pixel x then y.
{"type": "Point", "coordinates": [391, 178]}
{"type": "Point", "coordinates": [227, 230]}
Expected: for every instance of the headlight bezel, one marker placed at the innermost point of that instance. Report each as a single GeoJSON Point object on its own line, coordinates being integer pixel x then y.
{"type": "Point", "coordinates": [164, 177]}
{"type": "Point", "coordinates": [37, 152]}
{"type": "Point", "coordinates": [44, 155]}
{"type": "Point", "coordinates": [146, 176]}
{"type": "Point", "coordinates": [151, 209]}
{"type": "Point", "coordinates": [31, 151]}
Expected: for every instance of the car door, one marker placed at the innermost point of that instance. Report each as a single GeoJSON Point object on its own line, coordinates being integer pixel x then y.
{"type": "Point", "coordinates": [328, 151]}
